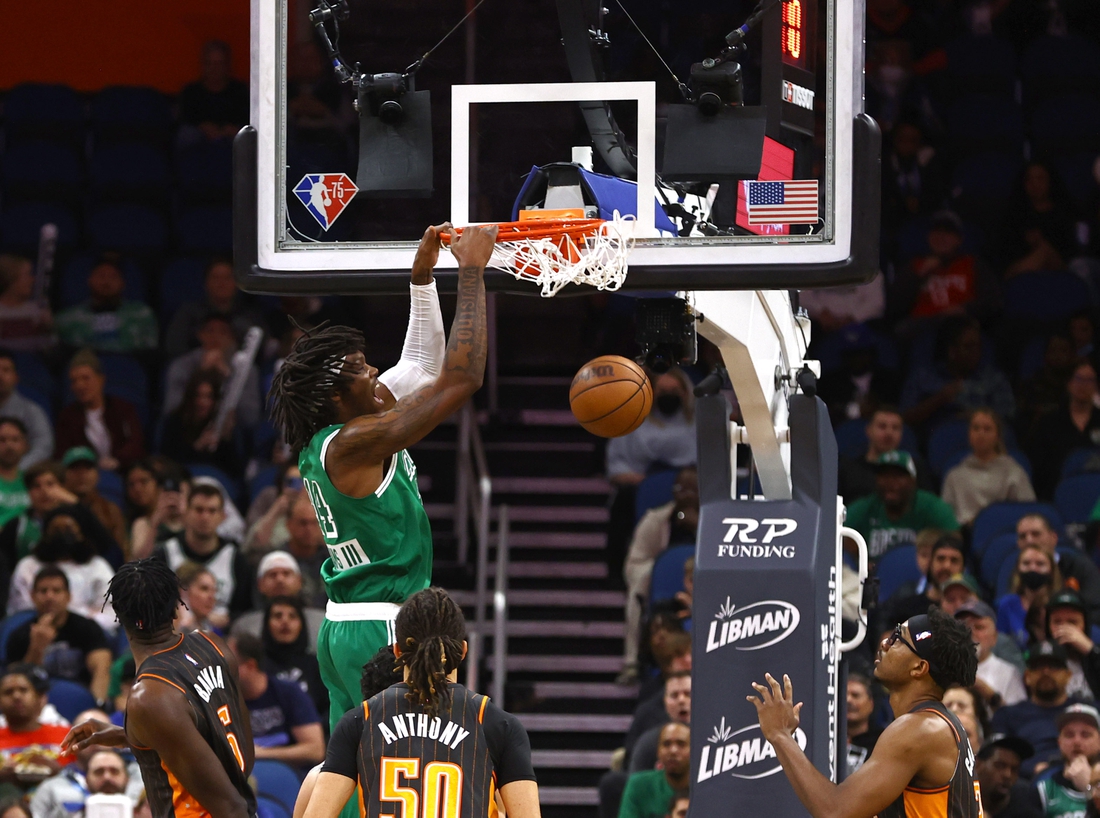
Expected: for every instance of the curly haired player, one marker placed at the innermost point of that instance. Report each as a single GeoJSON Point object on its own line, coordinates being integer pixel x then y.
{"type": "Point", "coordinates": [922, 764]}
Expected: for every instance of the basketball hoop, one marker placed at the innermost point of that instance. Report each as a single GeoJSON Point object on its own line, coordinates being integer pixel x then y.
{"type": "Point", "coordinates": [554, 252]}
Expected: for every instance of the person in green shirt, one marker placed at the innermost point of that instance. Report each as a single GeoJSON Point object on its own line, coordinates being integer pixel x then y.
{"type": "Point", "coordinates": [898, 510]}
{"type": "Point", "coordinates": [107, 322]}
{"type": "Point", "coordinates": [649, 793]}
{"type": "Point", "coordinates": [45, 493]}
{"type": "Point", "coordinates": [352, 427]}
{"type": "Point", "coordinates": [13, 493]}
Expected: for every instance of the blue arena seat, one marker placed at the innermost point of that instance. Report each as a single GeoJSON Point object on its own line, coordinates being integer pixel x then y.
{"type": "Point", "coordinates": [1081, 461]}
{"type": "Point", "coordinates": [1074, 168]}
{"type": "Point", "coordinates": [112, 487]}
{"type": "Point", "coordinates": [946, 440]}
{"type": "Point", "coordinates": [1004, 578]}
{"type": "Point", "coordinates": [8, 625]}
{"type": "Point", "coordinates": [181, 281]}
{"type": "Point", "coordinates": [205, 172]}
{"type": "Point", "coordinates": [1066, 123]}
{"type": "Point", "coordinates": [980, 123]}
{"type": "Point", "coordinates": [20, 225]}
{"type": "Point", "coordinates": [263, 478]}
{"type": "Point", "coordinates": [277, 781]}
{"type": "Point", "coordinates": [1047, 295]}
{"type": "Point", "coordinates": [131, 112]}
{"type": "Point", "coordinates": [655, 490]}
{"type": "Point", "coordinates": [70, 699]}
{"type": "Point", "coordinates": [1076, 496]}
{"type": "Point", "coordinates": [35, 110]}
{"type": "Point", "coordinates": [207, 229]}
{"type": "Point", "coordinates": [43, 170]}
{"type": "Point", "coordinates": [895, 568]}
{"type": "Point", "coordinates": [985, 178]}
{"type": "Point", "coordinates": [1001, 518]}
{"type": "Point", "coordinates": [1054, 65]}
{"type": "Point", "coordinates": [231, 484]}
{"type": "Point", "coordinates": [668, 573]}
{"type": "Point", "coordinates": [128, 228]}
{"type": "Point", "coordinates": [130, 171]}
{"type": "Point", "coordinates": [270, 808]}
{"type": "Point", "coordinates": [1002, 547]}
{"type": "Point", "coordinates": [985, 65]}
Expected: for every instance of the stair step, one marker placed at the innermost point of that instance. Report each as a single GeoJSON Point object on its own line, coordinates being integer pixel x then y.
{"type": "Point", "coordinates": [569, 723]}
{"type": "Point", "coordinates": [548, 417]}
{"type": "Point", "coordinates": [554, 599]}
{"type": "Point", "coordinates": [588, 540]}
{"type": "Point", "coordinates": [558, 663]}
{"type": "Point", "coordinates": [534, 380]}
{"type": "Point", "coordinates": [539, 446]}
{"type": "Point", "coordinates": [597, 630]}
{"type": "Point", "coordinates": [531, 514]}
{"type": "Point", "coordinates": [569, 796]}
{"type": "Point", "coordinates": [550, 485]}
{"type": "Point", "coordinates": [554, 570]}
{"type": "Point", "coordinates": [585, 690]}
{"type": "Point", "coordinates": [587, 759]}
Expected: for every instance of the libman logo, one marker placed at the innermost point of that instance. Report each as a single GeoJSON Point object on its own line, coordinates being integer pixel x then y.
{"type": "Point", "coordinates": [752, 627]}
{"type": "Point", "coordinates": [742, 753]}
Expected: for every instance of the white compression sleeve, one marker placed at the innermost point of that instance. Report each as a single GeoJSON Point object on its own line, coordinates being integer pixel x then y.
{"type": "Point", "coordinates": [425, 344]}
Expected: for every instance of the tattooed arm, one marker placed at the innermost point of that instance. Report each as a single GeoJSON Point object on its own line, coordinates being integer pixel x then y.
{"type": "Point", "coordinates": [355, 457]}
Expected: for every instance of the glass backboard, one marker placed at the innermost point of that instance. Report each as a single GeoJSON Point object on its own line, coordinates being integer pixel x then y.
{"type": "Point", "coordinates": [744, 167]}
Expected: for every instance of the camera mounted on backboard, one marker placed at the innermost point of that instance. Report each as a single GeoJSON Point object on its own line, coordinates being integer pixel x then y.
{"type": "Point", "coordinates": [665, 330]}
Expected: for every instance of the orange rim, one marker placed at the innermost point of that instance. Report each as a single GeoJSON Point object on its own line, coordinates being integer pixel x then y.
{"type": "Point", "coordinates": [539, 229]}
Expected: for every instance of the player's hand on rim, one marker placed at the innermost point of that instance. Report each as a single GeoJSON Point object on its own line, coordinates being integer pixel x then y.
{"type": "Point", "coordinates": [474, 245]}
{"type": "Point", "coordinates": [775, 707]}
{"type": "Point", "coordinates": [427, 253]}
{"type": "Point", "coordinates": [93, 732]}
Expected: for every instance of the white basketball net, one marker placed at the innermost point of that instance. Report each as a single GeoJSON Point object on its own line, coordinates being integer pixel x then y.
{"type": "Point", "coordinates": [549, 262]}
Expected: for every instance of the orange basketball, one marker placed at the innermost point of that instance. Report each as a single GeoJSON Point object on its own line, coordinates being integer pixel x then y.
{"type": "Point", "coordinates": [610, 396]}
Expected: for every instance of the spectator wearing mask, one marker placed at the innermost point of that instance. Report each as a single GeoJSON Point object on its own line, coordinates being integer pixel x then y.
{"type": "Point", "coordinates": [13, 404]}
{"type": "Point", "coordinates": [107, 425]}
{"type": "Point", "coordinates": [883, 430]}
{"type": "Point", "coordinates": [45, 493]}
{"type": "Point", "coordinates": [1074, 425]}
{"type": "Point", "coordinates": [201, 543]}
{"type": "Point", "coordinates": [221, 297]}
{"type": "Point", "coordinates": [26, 324]}
{"type": "Point", "coordinates": [1078, 572]}
{"type": "Point", "coordinates": [217, 345]}
{"type": "Point", "coordinates": [958, 381]}
{"type": "Point", "coordinates": [988, 474]}
{"type": "Point", "coordinates": [82, 479]}
{"type": "Point", "coordinates": [1067, 625]}
{"type": "Point", "coordinates": [13, 490]}
{"type": "Point", "coordinates": [1064, 788]}
{"type": "Point", "coordinates": [289, 654]}
{"type": "Point", "coordinates": [1034, 720]}
{"type": "Point", "coordinates": [998, 681]}
{"type": "Point", "coordinates": [107, 322]}
{"type": "Point", "coordinates": [68, 542]}
{"type": "Point", "coordinates": [648, 792]}
{"type": "Point", "coordinates": [30, 750]}
{"type": "Point", "coordinates": [945, 282]}
{"type": "Point", "coordinates": [997, 772]}
{"type": "Point", "coordinates": [668, 525]}
{"type": "Point", "coordinates": [190, 432]}
{"type": "Point", "coordinates": [862, 731]}
{"type": "Point", "coordinates": [898, 510]}
{"type": "Point", "coordinates": [199, 595]}
{"type": "Point", "coordinates": [66, 644]}
{"type": "Point", "coordinates": [1022, 613]}
{"type": "Point", "coordinates": [285, 724]}
{"type": "Point", "coordinates": [278, 575]}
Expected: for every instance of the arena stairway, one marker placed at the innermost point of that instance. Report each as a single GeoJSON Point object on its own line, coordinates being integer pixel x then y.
{"type": "Point", "coordinates": [565, 623]}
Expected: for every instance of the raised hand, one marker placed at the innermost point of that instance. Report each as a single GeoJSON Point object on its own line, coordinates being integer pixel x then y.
{"type": "Point", "coordinates": [775, 707]}
{"type": "Point", "coordinates": [474, 246]}
{"type": "Point", "coordinates": [427, 254]}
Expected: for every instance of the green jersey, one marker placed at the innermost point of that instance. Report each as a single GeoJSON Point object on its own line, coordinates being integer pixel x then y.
{"type": "Point", "coordinates": [1060, 800]}
{"type": "Point", "coordinates": [379, 546]}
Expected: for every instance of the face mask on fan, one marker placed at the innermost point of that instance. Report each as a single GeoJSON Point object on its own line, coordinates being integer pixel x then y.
{"type": "Point", "coordinates": [668, 404]}
{"type": "Point", "coordinates": [1034, 580]}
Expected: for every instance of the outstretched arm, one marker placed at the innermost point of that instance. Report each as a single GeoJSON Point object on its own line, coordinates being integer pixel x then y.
{"type": "Point", "coordinates": [425, 340]}
{"type": "Point", "coordinates": [897, 758]}
{"type": "Point", "coordinates": [370, 439]}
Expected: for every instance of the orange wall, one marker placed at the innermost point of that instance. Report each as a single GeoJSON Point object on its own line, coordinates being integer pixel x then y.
{"type": "Point", "coordinates": [89, 44]}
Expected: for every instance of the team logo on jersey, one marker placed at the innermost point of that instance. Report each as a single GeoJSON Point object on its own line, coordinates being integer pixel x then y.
{"type": "Point", "coordinates": [325, 195]}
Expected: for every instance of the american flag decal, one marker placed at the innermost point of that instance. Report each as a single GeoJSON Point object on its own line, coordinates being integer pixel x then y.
{"type": "Point", "coordinates": [786, 202]}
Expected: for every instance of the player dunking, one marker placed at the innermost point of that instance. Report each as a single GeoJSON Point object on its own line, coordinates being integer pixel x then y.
{"type": "Point", "coordinates": [428, 740]}
{"type": "Point", "coordinates": [186, 722]}
{"type": "Point", "coordinates": [922, 764]}
{"type": "Point", "coordinates": [352, 426]}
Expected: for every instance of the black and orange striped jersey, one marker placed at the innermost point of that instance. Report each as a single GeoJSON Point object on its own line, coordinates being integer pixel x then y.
{"type": "Point", "coordinates": [450, 765]}
{"type": "Point", "coordinates": [197, 668]}
{"type": "Point", "coordinates": [958, 798]}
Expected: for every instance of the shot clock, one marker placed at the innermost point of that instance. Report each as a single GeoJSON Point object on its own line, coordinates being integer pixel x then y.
{"type": "Point", "coordinates": [789, 65]}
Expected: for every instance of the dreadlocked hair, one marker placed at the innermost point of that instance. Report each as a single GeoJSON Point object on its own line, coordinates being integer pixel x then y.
{"type": "Point", "coordinates": [430, 631]}
{"type": "Point", "coordinates": [145, 594]}
{"type": "Point", "coordinates": [955, 659]}
{"type": "Point", "coordinates": [301, 391]}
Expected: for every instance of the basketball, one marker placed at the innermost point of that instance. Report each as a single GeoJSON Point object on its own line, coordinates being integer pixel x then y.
{"type": "Point", "coordinates": [610, 396]}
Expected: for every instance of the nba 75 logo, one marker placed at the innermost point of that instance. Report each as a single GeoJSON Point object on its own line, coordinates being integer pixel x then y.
{"type": "Point", "coordinates": [325, 195]}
